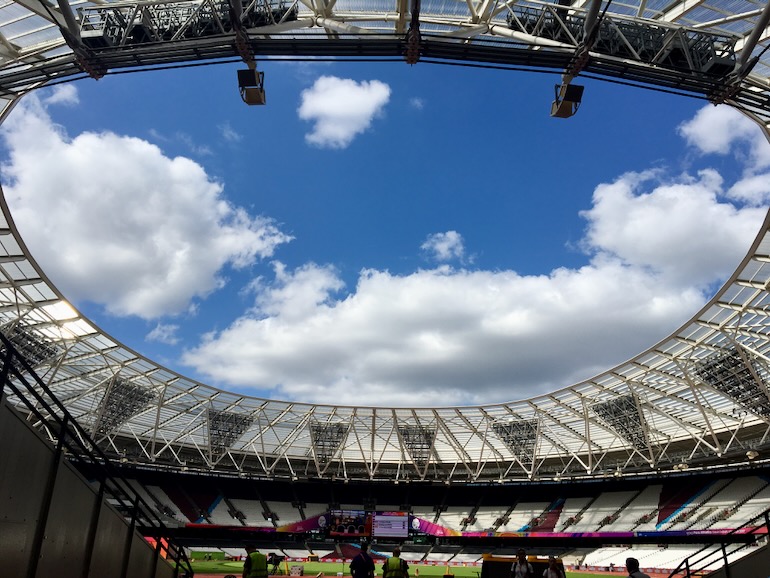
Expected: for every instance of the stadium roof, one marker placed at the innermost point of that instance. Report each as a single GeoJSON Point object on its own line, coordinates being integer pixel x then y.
{"type": "Point", "coordinates": [698, 398]}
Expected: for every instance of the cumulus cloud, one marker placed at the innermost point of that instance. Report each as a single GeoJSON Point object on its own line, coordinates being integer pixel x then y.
{"type": "Point", "coordinates": [722, 129]}
{"type": "Point", "coordinates": [164, 333]}
{"type": "Point", "coordinates": [417, 103]}
{"type": "Point", "coordinates": [120, 224]}
{"type": "Point", "coordinates": [445, 247]}
{"type": "Point", "coordinates": [445, 336]}
{"type": "Point", "coordinates": [656, 245]}
{"type": "Point", "coordinates": [341, 109]}
{"type": "Point", "coordinates": [453, 336]}
{"type": "Point", "coordinates": [65, 94]}
{"type": "Point", "coordinates": [648, 223]}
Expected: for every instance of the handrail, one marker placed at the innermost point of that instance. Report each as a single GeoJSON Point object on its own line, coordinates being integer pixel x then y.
{"type": "Point", "coordinates": [691, 564]}
{"type": "Point", "coordinates": [71, 437]}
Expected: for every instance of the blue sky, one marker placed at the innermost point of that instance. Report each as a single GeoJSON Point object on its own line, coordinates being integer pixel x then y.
{"type": "Point", "coordinates": [381, 234]}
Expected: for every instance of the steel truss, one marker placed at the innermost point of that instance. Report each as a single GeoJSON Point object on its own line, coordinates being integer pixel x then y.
{"type": "Point", "coordinates": [696, 399]}
{"type": "Point", "coordinates": [694, 47]}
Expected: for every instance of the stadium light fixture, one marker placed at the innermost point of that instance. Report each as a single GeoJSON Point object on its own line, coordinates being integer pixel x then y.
{"type": "Point", "coordinates": [251, 83]}
{"type": "Point", "coordinates": [752, 454]}
{"type": "Point", "coordinates": [568, 99]}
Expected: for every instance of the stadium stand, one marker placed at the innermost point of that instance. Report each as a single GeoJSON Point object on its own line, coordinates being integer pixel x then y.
{"type": "Point", "coordinates": [253, 511]}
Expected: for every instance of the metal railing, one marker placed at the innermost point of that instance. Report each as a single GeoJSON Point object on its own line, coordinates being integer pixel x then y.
{"type": "Point", "coordinates": [713, 556]}
{"type": "Point", "coordinates": [72, 441]}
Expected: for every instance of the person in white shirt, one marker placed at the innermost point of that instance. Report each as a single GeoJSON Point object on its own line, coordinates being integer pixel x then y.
{"type": "Point", "coordinates": [521, 568]}
{"type": "Point", "coordinates": [632, 565]}
{"type": "Point", "coordinates": [553, 570]}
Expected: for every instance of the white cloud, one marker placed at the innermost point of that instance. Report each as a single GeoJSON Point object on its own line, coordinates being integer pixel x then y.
{"type": "Point", "coordinates": [453, 336]}
{"type": "Point", "coordinates": [66, 94]}
{"type": "Point", "coordinates": [753, 190]}
{"type": "Point", "coordinates": [164, 333]}
{"type": "Point", "coordinates": [119, 223]}
{"type": "Point", "coordinates": [444, 336]}
{"type": "Point", "coordinates": [445, 246]}
{"type": "Point", "coordinates": [718, 129]}
{"type": "Point", "coordinates": [194, 147]}
{"type": "Point", "coordinates": [448, 336]}
{"type": "Point", "coordinates": [417, 103]}
{"type": "Point", "coordinates": [229, 133]}
{"type": "Point", "coordinates": [341, 109]}
{"type": "Point", "coordinates": [650, 224]}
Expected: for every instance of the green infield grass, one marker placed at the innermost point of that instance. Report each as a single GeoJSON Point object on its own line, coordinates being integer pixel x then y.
{"type": "Point", "coordinates": [312, 569]}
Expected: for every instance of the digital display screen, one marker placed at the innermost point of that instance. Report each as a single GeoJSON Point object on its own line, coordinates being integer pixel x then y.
{"type": "Point", "coordinates": [349, 523]}
{"type": "Point", "coordinates": [390, 525]}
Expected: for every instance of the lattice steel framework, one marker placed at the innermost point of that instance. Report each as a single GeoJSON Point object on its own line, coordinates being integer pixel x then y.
{"type": "Point", "coordinates": [418, 441]}
{"type": "Point", "coordinates": [327, 439]}
{"type": "Point", "coordinates": [225, 427]}
{"type": "Point", "coordinates": [122, 400]}
{"type": "Point", "coordinates": [714, 49]}
{"type": "Point", "coordinates": [622, 414]}
{"type": "Point", "coordinates": [711, 49]}
{"type": "Point", "coordinates": [35, 349]}
{"type": "Point", "coordinates": [521, 437]}
{"type": "Point", "coordinates": [738, 377]}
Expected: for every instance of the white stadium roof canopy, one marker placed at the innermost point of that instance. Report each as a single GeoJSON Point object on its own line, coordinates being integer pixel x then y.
{"type": "Point", "coordinates": [699, 398]}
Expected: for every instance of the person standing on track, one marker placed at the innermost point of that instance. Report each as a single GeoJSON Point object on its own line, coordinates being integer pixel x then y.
{"type": "Point", "coordinates": [395, 567]}
{"type": "Point", "coordinates": [255, 565]}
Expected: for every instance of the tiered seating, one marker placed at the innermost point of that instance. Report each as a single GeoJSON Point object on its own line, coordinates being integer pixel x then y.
{"type": "Point", "coordinates": [606, 556]}
{"type": "Point", "coordinates": [605, 506]}
{"type": "Point", "coordinates": [441, 555]}
{"type": "Point", "coordinates": [522, 515]}
{"type": "Point", "coordinates": [668, 558]}
{"type": "Point", "coordinates": [295, 553]}
{"type": "Point", "coordinates": [348, 551]}
{"type": "Point", "coordinates": [191, 512]}
{"type": "Point", "coordinates": [411, 553]}
{"type": "Point", "coordinates": [683, 517]}
{"type": "Point", "coordinates": [252, 509]}
{"type": "Point", "coordinates": [466, 557]}
{"type": "Point", "coordinates": [423, 512]}
{"type": "Point", "coordinates": [285, 511]}
{"type": "Point", "coordinates": [312, 510]}
{"type": "Point", "coordinates": [731, 507]}
{"type": "Point", "coordinates": [548, 520]}
{"type": "Point", "coordinates": [164, 506]}
{"type": "Point", "coordinates": [320, 549]}
{"type": "Point", "coordinates": [485, 518]}
{"type": "Point", "coordinates": [643, 505]}
{"type": "Point", "coordinates": [673, 498]}
{"type": "Point", "coordinates": [453, 517]}
{"type": "Point", "coordinates": [569, 512]}
{"type": "Point", "coordinates": [220, 516]}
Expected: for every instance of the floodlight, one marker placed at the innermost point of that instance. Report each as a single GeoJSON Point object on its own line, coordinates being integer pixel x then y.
{"type": "Point", "coordinates": [252, 85]}
{"type": "Point", "coordinates": [568, 99]}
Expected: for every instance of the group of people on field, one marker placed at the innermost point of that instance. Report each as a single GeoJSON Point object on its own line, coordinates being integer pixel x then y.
{"type": "Point", "coordinates": [362, 566]}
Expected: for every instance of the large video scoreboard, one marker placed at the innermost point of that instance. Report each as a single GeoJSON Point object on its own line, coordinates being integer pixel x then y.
{"type": "Point", "coordinates": [390, 524]}
{"type": "Point", "coordinates": [359, 523]}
